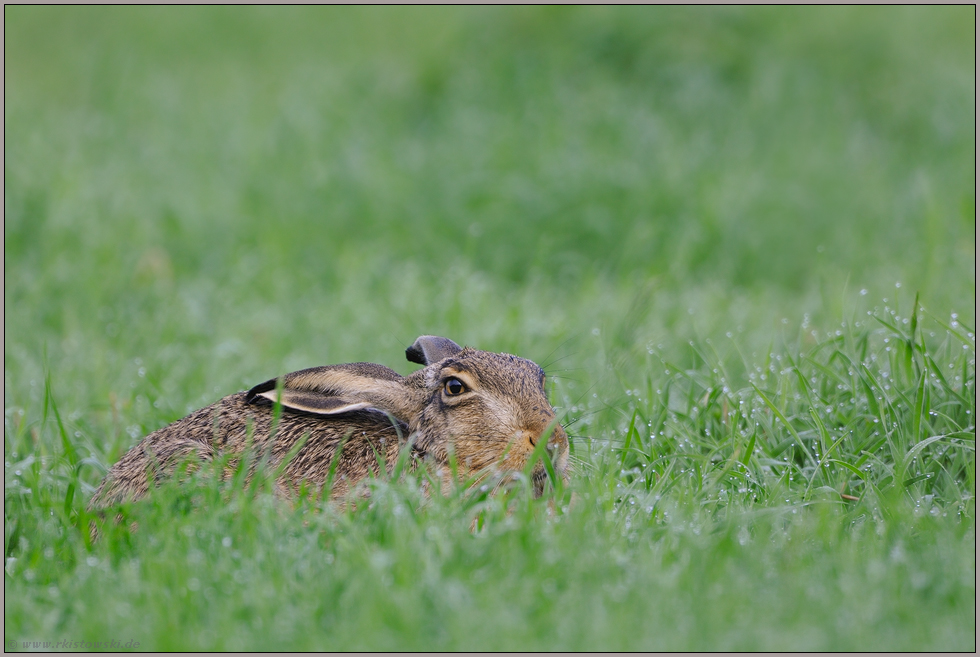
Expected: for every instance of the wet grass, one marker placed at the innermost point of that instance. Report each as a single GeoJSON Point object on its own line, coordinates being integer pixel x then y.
{"type": "Point", "coordinates": [739, 241]}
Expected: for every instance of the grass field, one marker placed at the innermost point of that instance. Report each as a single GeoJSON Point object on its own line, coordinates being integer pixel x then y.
{"type": "Point", "coordinates": [741, 242]}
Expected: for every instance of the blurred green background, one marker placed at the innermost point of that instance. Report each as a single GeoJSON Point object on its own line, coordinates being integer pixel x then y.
{"type": "Point", "coordinates": [199, 198]}
{"type": "Point", "coordinates": [268, 176]}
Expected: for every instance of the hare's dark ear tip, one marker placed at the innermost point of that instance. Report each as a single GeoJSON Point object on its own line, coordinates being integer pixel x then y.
{"type": "Point", "coordinates": [415, 355]}
{"type": "Point", "coordinates": [252, 394]}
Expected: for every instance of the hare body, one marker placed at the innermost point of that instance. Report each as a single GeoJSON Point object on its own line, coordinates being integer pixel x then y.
{"type": "Point", "coordinates": [488, 409]}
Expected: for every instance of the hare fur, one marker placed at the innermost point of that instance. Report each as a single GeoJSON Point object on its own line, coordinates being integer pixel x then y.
{"type": "Point", "coordinates": [488, 409]}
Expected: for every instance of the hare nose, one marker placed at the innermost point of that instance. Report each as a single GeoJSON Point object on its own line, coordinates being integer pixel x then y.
{"type": "Point", "coordinates": [555, 445]}
{"type": "Point", "coordinates": [558, 442]}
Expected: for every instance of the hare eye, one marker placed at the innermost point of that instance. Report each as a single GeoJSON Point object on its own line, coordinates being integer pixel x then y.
{"type": "Point", "coordinates": [455, 387]}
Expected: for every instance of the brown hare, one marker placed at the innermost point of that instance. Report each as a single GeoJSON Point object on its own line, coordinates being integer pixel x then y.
{"type": "Point", "coordinates": [490, 410]}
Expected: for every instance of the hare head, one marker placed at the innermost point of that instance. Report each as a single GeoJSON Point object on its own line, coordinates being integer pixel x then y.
{"type": "Point", "coordinates": [487, 410]}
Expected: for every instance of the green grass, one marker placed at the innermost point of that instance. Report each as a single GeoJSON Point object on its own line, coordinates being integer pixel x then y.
{"type": "Point", "coordinates": [741, 241]}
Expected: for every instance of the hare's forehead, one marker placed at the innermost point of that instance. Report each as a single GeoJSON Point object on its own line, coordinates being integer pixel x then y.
{"type": "Point", "coordinates": [501, 372]}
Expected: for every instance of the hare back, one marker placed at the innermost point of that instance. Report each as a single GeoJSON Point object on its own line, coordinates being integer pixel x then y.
{"type": "Point", "coordinates": [234, 427]}
{"type": "Point", "coordinates": [364, 438]}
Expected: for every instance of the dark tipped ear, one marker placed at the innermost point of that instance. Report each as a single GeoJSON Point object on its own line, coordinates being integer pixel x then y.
{"type": "Point", "coordinates": [336, 389]}
{"type": "Point", "coordinates": [429, 349]}
{"type": "Point", "coordinates": [257, 391]}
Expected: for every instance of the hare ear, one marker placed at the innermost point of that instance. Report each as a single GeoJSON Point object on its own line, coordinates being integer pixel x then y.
{"type": "Point", "coordinates": [429, 349]}
{"type": "Point", "coordinates": [342, 388]}
{"type": "Point", "coordinates": [312, 402]}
